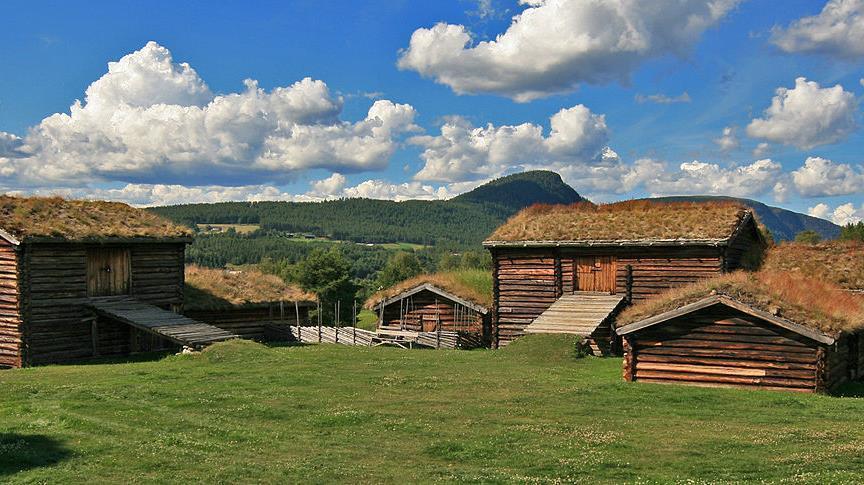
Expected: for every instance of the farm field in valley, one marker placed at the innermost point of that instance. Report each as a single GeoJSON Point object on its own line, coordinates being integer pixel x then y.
{"type": "Point", "coordinates": [242, 411]}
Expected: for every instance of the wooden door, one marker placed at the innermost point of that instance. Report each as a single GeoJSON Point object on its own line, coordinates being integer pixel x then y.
{"type": "Point", "coordinates": [595, 273]}
{"type": "Point", "coordinates": [108, 271]}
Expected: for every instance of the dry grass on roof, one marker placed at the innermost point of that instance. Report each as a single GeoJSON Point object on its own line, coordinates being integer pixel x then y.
{"type": "Point", "coordinates": [839, 262]}
{"type": "Point", "coordinates": [806, 301]}
{"type": "Point", "coordinates": [57, 217]}
{"type": "Point", "coordinates": [208, 288]}
{"type": "Point", "coordinates": [622, 221]}
{"type": "Point", "coordinates": [471, 285]}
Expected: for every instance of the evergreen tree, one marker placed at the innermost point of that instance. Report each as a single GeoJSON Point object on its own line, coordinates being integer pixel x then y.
{"type": "Point", "coordinates": [852, 232]}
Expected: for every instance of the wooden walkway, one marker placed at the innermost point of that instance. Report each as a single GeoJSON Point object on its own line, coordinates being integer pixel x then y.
{"type": "Point", "coordinates": [580, 313]}
{"type": "Point", "coordinates": [150, 318]}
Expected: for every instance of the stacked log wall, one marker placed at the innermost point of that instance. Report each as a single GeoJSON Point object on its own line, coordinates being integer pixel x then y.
{"type": "Point", "coordinates": [158, 274]}
{"type": "Point", "coordinates": [60, 328]}
{"type": "Point", "coordinates": [250, 322]}
{"type": "Point", "coordinates": [526, 286]}
{"type": "Point", "coordinates": [11, 342]}
{"type": "Point", "coordinates": [723, 347]}
{"type": "Point", "coordinates": [527, 283]}
{"type": "Point", "coordinates": [656, 270]}
{"type": "Point", "coordinates": [431, 306]}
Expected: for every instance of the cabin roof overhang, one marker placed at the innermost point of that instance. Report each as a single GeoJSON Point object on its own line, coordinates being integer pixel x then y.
{"type": "Point", "coordinates": [712, 300]}
{"type": "Point", "coordinates": [434, 289]}
{"type": "Point", "coordinates": [610, 243]}
{"type": "Point", "coordinates": [93, 240]}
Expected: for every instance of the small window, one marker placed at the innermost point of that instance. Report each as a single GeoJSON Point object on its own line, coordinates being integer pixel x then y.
{"type": "Point", "coordinates": [108, 271]}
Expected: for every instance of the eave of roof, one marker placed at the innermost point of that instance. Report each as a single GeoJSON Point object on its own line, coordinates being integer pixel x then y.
{"type": "Point", "coordinates": [609, 243]}
{"type": "Point", "coordinates": [803, 330]}
{"type": "Point", "coordinates": [95, 240]}
{"type": "Point", "coordinates": [428, 286]}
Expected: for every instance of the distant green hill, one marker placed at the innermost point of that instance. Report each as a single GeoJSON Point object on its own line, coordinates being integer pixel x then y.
{"type": "Point", "coordinates": [462, 221]}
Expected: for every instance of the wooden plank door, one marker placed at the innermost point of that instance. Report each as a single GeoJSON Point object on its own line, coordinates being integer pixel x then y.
{"type": "Point", "coordinates": [108, 271]}
{"type": "Point", "coordinates": [595, 273]}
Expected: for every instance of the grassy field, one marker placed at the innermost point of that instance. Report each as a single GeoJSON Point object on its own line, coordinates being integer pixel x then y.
{"type": "Point", "coordinates": [367, 320]}
{"type": "Point", "coordinates": [243, 412]}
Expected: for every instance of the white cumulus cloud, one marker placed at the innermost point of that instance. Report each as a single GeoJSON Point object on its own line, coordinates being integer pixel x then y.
{"type": "Point", "coordinates": [837, 31]}
{"type": "Point", "coordinates": [554, 45]}
{"type": "Point", "coordinates": [727, 141]}
{"type": "Point", "coordinates": [807, 115]}
{"type": "Point", "coordinates": [820, 177]}
{"type": "Point", "coordinates": [698, 177]}
{"type": "Point", "coordinates": [842, 215]}
{"type": "Point", "coordinates": [150, 119]}
{"type": "Point", "coordinates": [464, 152]}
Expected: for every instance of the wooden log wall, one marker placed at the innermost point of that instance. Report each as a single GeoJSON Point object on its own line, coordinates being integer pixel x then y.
{"type": "Point", "coordinates": [722, 347]}
{"type": "Point", "coordinates": [528, 281]}
{"type": "Point", "coordinates": [526, 286]}
{"type": "Point", "coordinates": [421, 307]}
{"type": "Point", "coordinates": [59, 327]}
{"type": "Point", "coordinates": [11, 341]}
{"type": "Point", "coordinates": [657, 271]}
{"type": "Point", "coordinates": [250, 322]}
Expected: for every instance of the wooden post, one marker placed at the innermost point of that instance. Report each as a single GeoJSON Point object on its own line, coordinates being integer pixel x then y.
{"type": "Point", "coordinates": [297, 315]}
{"type": "Point", "coordinates": [354, 324]}
{"type": "Point", "coordinates": [320, 307]}
{"type": "Point", "coordinates": [629, 360]}
{"type": "Point", "coordinates": [821, 384]}
{"type": "Point", "coordinates": [94, 335]}
{"type": "Point", "coordinates": [493, 337]}
{"type": "Point", "coordinates": [559, 278]}
{"type": "Point", "coordinates": [629, 283]}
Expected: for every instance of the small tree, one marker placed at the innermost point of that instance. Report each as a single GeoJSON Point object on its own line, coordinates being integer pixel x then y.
{"type": "Point", "coordinates": [852, 232]}
{"type": "Point", "coordinates": [808, 237]}
{"type": "Point", "coordinates": [399, 267]}
{"type": "Point", "coordinates": [328, 274]}
{"type": "Point", "coordinates": [449, 261]}
{"type": "Point", "coordinates": [476, 260]}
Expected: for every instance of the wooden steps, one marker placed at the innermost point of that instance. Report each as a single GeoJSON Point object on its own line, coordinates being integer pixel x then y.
{"type": "Point", "coordinates": [172, 326]}
{"type": "Point", "coordinates": [580, 313]}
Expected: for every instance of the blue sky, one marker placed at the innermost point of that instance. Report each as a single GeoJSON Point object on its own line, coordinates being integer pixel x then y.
{"type": "Point", "coordinates": [656, 84]}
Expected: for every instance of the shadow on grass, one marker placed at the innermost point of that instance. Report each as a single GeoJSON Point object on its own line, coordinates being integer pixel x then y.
{"type": "Point", "coordinates": [19, 452]}
{"type": "Point", "coordinates": [850, 389]}
{"type": "Point", "coordinates": [123, 359]}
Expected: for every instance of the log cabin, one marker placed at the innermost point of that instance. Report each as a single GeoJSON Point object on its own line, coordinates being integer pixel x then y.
{"type": "Point", "coordinates": [245, 302]}
{"type": "Point", "coordinates": [569, 269]}
{"type": "Point", "coordinates": [769, 330]}
{"type": "Point", "coordinates": [76, 275]}
{"type": "Point", "coordinates": [440, 302]}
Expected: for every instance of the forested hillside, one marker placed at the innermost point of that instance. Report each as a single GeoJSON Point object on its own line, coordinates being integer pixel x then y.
{"type": "Point", "coordinates": [463, 221]}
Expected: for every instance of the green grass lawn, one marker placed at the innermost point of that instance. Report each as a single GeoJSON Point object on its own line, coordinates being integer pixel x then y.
{"type": "Point", "coordinates": [367, 320]}
{"type": "Point", "coordinates": [243, 412]}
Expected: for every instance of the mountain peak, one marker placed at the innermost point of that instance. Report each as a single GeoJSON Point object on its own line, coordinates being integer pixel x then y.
{"type": "Point", "coordinates": [523, 189]}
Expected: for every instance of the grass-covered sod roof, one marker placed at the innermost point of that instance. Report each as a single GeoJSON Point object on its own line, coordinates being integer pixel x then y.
{"type": "Point", "coordinates": [56, 217]}
{"type": "Point", "coordinates": [212, 289]}
{"type": "Point", "coordinates": [806, 301]}
{"type": "Point", "coordinates": [474, 286]}
{"type": "Point", "coordinates": [838, 262]}
{"type": "Point", "coordinates": [630, 221]}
